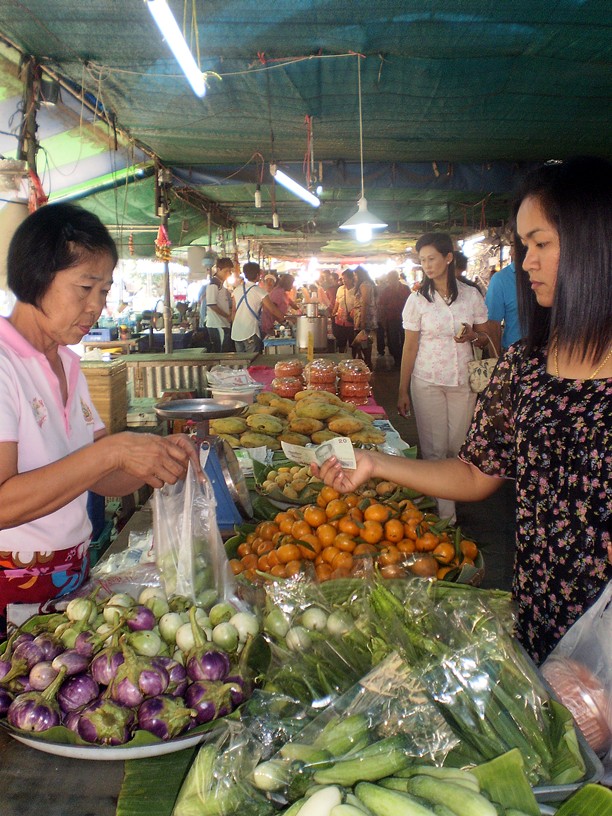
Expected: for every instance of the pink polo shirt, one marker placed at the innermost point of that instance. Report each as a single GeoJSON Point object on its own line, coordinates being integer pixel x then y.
{"type": "Point", "coordinates": [33, 415]}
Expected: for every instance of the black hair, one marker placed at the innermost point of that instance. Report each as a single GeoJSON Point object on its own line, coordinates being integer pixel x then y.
{"type": "Point", "coordinates": [576, 196]}
{"type": "Point", "coordinates": [225, 263]}
{"type": "Point", "coordinates": [286, 282]}
{"type": "Point", "coordinates": [51, 239]}
{"type": "Point", "coordinates": [251, 271]}
{"type": "Point", "coordinates": [444, 244]}
{"type": "Point", "coordinates": [461, 261]}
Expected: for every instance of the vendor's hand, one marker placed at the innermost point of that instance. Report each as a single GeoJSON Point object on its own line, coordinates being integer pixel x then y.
{"type": "Point", "coordinates": [403, 405]}
{"type": "Point", "coordinates": [156, 460]}
{"type": "Point", "coordinates": [342, 479]}
{"type": "Point", "coordinates": [466, 335]}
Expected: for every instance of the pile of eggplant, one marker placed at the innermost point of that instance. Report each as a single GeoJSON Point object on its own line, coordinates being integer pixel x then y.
{"type": "Point", "coordinates": [107, 669]}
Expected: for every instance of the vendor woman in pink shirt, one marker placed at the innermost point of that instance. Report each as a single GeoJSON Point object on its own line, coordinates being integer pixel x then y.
{"type": "Point", "coordinates": [53, 445]}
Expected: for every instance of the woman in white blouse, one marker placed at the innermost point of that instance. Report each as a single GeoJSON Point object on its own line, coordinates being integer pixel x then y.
{"type": "Point", "coordinates": [441, 321]}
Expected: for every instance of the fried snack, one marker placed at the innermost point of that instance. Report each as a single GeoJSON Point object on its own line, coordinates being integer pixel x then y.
{"type": "Point", "coordinates": [265, 423]}
{"type": "Point", "coordinates": [230, 425]}
{"type": "Point", "coordinates": [323, 436]}
{"type": "Point", "coordinates": [323, 396]}
{"type": "Point", "coordinates": [305, 425]}
{"type": "Point", "coordinates": [345, 425]}
{"type": "Point", "coordinates": [282, 406]}
{"type": "Point", "coordinates": [253, 439]}
{"type": "Point", "coordinates": [368, 436]}
{"type": "Point", "coordinates": [260, 409]}
{"type": "Point", "coordinates": [316, 409]}
{"type": "Point", "coordinates": [232, 441]}
{"type": "Point", "coordinates": [363, 416]}
{"type": "Point", "coordinates": [294, 438]}
{"type": "Point", "coordinates": [265, 397]}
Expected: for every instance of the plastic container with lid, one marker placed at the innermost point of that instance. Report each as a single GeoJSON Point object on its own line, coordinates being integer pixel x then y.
{"type": "Point", "coordinates": [320, 371]}
{"type": "Point", "coordinates": [354, 371]}
{"type": "Point", "coordinates": [357, 393]}
{"type": "Point", "coordinates": [287, 386]}
{"type": "Point", "coordinates": [288, 368]}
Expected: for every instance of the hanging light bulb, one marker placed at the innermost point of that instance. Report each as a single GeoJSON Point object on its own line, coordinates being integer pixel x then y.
{"type": "Point", "coordinates": [363, 222]}
{"type": "Point", "coordinates": [258, 197]}
{"type": "Point", "coordinates": [275, 221]}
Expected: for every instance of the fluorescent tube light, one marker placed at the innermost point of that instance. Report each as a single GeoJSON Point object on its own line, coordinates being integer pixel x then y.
{"type": "Point", "coordinates": [289, 184]}
{"type": "Point", "coordinates": [172, 34]}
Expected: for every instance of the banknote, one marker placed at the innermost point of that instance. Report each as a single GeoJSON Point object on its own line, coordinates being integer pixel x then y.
{"type": "Point", "coordinates": [340, 446]}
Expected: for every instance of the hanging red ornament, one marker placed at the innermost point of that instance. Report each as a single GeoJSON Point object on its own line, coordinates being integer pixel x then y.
{"type": "Point", "coordinates": [131, 243]}
{"type": "Point", "coordinates": [162, 244]}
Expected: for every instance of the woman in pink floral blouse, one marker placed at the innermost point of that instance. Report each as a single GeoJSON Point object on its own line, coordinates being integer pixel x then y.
{"type": "Point", "coordinates": [544, 419]}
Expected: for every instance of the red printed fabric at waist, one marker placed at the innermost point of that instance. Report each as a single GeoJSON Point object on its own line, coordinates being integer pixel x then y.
{"type": "Point", "coordinates": [40, 576]}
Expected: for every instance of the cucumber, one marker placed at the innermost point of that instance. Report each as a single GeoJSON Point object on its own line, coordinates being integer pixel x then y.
{"type": "Point", "coordinates": [305, 753]}
{"type": "Point", "coordinates": [341, 734]}
{"type": "Point", "coordinates": [346, 810]}
{"type": "Point", "coordinates": [402, 783]}
{"type": "Point", "coordinates": [462, 801]}
{"type": "Point", "coordinates": [448, 774]}
{"type": "Point", "coordinates": [382, 758]}
{"type": "Point", "coordinates": [384, 802]}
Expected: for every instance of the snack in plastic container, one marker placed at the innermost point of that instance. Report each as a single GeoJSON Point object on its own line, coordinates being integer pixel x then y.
{"type": "Point", "coordinates": [585, 696]}
{"type": "Point", "coordinates": [358, 393]}
{"type": "Point", "coordinates": [288, 368]}
{"type": "Point", "coordinates": [354, 371]}
{"type": "Point", "coordinates": [320, 371]}
{"type": "Point", "coordinates": [287, 386]}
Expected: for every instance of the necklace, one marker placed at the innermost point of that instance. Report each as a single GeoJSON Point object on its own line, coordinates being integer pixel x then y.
{"type": "Point", "coordinates": [594, 374]}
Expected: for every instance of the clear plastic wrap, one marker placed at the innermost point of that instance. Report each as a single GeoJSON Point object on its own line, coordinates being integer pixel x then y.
{"type": "Point", "coordinates": [189, 551]}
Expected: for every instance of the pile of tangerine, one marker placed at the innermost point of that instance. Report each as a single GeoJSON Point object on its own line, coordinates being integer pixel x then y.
{"type": "Point", "coordinates": [338, 530]}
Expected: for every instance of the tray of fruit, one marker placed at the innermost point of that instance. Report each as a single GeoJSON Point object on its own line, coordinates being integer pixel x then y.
{"type": "Point", "coordinates": [338, 536]}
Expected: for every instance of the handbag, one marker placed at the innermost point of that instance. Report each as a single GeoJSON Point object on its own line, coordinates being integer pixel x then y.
{"type": "Point", "coordinates": [480, 370]}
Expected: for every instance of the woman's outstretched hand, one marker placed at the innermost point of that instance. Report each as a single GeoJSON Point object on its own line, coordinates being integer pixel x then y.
{"type": "Point", "coordinates": [342, 479]}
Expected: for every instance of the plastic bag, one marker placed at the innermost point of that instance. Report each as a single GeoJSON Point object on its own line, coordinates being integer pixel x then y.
{"type": "Point", "coordinates": [189, 551]}
{"type": "Point", "coordinates": [579, 669]}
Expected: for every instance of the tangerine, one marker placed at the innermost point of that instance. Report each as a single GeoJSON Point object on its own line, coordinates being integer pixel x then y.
{"type": "Point", "coordinates": [293, 568]}
{"type": "Point", "coordinates": [336, 508]}
{"type": "Point", "coordinates": [390, 555]}
{"type": "Point", "coordinates": [268, 529]}
{"type": "Point", "coordinates": [443, 571]}
{"type": "Point", "coordinates": [328, 554]}
{"type": "Point", "coordinates": [468, 548]}
{"type": "Point", "coordinates": [393, 571]}
{"type": "Point", "coordinates": [372, 531]}
{"type": "Point", "coordinates": [344, 542]}
{"type": "Point", "coordinates": [285, 522]}
{"type": "Point", "coordinates": [288, 552]}
{"type": "Point", "coordinates": [309, 546]}
{"type": "Point", "coordinates": [315, 516]}
{"type": "Point", "coordinates": [425, 566]}
{"type": "Point", "coordinates": [328, 494]}
{"type": "Point", "coordinates": [363, 548]}
{"type": "Point", "coordinates": [279, 570]}
{"type": "Point", "coordinates": [249, 561]}
{"type": "Point", "coordinates": [244, 549]}
{"type": "Point", "coordinates": [323, 572]}
{"type": "Point", "coordinates": [444, 552]}
{"type": "Point", "coordinates": [376, 512]}
{"type": "Point", "coordinates": [236, 565]}
{"type": "Point", "coordinates": [342, 561]}
{"type": "Point", "coordinates": [326, 533]}
{"type": "Point", "coordinates": [394, 530]}
{"type": "Point", "coordinates": [410, 529]}
{"type": "Point", "coordinates": [348, 525]}
{"type": "Point", "coordinates": [406, 545]}
{"type": "Point", "coordinates": [352, 499]}
{"type": "Point", "coordinates": [427, 542]}
{"type": "Point", "coordinates": [300, 528]}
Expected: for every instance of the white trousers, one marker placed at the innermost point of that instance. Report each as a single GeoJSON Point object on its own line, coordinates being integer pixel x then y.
{"type": "Point", "coordinates": [443, 414]}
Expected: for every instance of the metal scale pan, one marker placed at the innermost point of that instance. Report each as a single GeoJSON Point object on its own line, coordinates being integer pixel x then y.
{"type": "Point", "coordinates": [222, 467]}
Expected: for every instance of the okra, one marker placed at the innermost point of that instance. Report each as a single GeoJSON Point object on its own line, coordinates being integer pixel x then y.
{"type": "Point", "coordinates": [382, 758]}
{"type": "Point", "coordinates": [464, 802]}
{"type": "Point", "coordinates": [383, 802]}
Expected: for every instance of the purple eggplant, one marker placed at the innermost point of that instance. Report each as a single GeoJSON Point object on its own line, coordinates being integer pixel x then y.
{"type": "Point", "coordinates": [70, 720]}
{"type": "Point", "coordinates": [89, 643]}
{"type": "Point", "coordinates": [177, 675]}
{"type": "Point", "coordinates": [106, 723]}
{"type": "Point", "coordinates": [74, 662]}
{"type": "Point", "coordinates": [42, 675]}
{"type": "Point", "coordinates": [105, 664]}
{"type": "Point", "coordinates": [6, 698]}
{"type": "Point", "coordinates": [50, 645]}
{"type": "Point", "coordinates": [210, 699]}
{"type": "Point", "coordinates": [77, 691]}
{"type": "Point", "coordinates": [140, 617]}
{"type": "Point", "coordinates": [25, 655]}
{"type": "Point", "coordinates": [37, 710]}
{"type": "Point", "coordinates": [203, 661]}
{"type": "Point", "coordinates": [137, 678]}
{"type": "Point", "coordinates": [165, 716]}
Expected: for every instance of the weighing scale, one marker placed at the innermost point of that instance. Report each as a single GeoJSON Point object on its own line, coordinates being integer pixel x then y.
{"type": "Point", "coordinates": [221, 466]}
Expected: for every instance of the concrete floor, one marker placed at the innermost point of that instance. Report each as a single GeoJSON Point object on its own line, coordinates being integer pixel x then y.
{"type": "Point", "coordinates": [491, 522]}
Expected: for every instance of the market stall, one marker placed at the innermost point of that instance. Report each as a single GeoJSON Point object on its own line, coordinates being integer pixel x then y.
{"type": "Point", "coordinates": [419, 674]}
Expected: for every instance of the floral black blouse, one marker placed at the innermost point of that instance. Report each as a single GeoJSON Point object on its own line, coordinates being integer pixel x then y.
{"type": "Point", "coordinates": [553, 436]}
